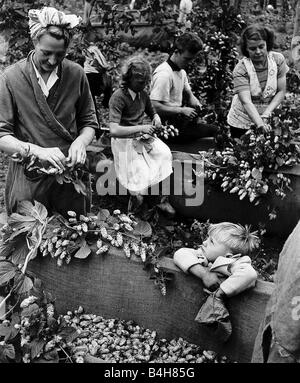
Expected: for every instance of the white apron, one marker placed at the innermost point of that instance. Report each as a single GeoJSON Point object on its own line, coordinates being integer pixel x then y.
{"type": "Point", "coordinates": [237, 116]}
{"type": "Point", "coordinates": [141, 163]}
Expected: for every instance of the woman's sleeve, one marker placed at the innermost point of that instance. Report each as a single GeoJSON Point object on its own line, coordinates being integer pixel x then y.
{"type": "Point", "coordinates": [7, 109]}
{"type": "Point", "coordinates": [283, 68]}
{"type": "Point", "coordinates": [243, 276]}
{"type": "Point", "coordinates": [241, 80]}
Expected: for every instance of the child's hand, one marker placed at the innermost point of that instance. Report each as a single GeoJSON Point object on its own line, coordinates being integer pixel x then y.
{"type": "Point", "coordinates": [148, 129]}
{"type": "Point", "coordinates": [211, 280]}
{"type": "Point", "coordinates": [188, 112]}
{"type": "Point", "coordinates": [220, 293]}
{"type": "Point", "coordinates": [156, 121]}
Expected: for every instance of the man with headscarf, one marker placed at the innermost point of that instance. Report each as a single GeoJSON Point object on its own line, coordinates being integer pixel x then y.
{"type": "Point", "coordinates": [46, 110]}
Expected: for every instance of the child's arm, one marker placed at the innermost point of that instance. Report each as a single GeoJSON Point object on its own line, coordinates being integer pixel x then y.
{"type": "Point", "coordinates": [151, 112]}
{"type": "Point", "coordinates": [209, 279]}
{"type": "Point", "coordinates": [191, 261]}
{"type": "Point", "coordinates": [243, 276]}
{"type": "Point", "coordinates": [117, 130]}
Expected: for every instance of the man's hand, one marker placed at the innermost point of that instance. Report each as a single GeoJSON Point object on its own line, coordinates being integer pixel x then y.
{"type": "Point", "coordinates": [195, 103]}
{"type": "Point", "coordinates": [188, 112]}
{"type": "Point", "coordinates": [77, 153]}
{"type": "Point", "coordinates": [53, 155]}
{"type": "Point", "coordinates": [211, 280]}
{"type": "Point", "coordinates": [266, 127]}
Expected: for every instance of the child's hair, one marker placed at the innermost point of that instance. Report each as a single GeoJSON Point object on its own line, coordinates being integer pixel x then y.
{"type": "Point", "coordinates": [256, 32]}
{"type": "Point", "coordinates": [237, 237]}
{"type": "Point", "coordinates": [135, 66]}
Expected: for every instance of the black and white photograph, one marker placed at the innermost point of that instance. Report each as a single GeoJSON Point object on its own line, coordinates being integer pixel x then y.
{"type": "Point", "coordinates": [150, 185]}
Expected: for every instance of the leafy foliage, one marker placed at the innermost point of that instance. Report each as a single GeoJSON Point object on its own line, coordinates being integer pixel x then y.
{"type": "Point", "coordinates": [26, 335]}
{"type": "Point", "coordinates": [19, 242]}
{"type": "Point", "coordinates": [23, 232]}
{"type": "Point", "coordinates": [35, 169]}
{"type": "Point", "coordinates": [244, 166]}
{"type": "Point", "coordinates": [211, 74]}
{"type": "Point", "coordinates": [77, 236]}
{"type": "Point", "coordinates": [14, 26]}
{"type": "Point", "coordinates": [30, 229]}
{"type": "Point", "coordinates": [33, 332]}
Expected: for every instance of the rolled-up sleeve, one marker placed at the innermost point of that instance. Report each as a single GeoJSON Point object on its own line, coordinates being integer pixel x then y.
{"type": "Point", "coordinates": [7, 109]}
{"type": "Point", "coordinates": [241, 80]}
{"type": "Point", "coordinates": [243, 276]}
{"type": "Point", "coordinates": [186, 257]}
{"type": "Point", "coordinates": [283, 68]}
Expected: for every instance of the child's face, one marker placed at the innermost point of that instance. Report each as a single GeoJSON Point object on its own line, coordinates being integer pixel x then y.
{"type": "Point", "coordinates": [138, 83]}
{"type": "Point", "coordinates": [212, 249]}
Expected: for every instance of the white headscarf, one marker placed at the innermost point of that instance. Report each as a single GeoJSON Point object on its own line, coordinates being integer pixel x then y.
{"type": "Point", "coordinates": [41, 18]}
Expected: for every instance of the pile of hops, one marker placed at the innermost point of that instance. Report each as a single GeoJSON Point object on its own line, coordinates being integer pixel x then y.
{"type": "Point", "coordinates": [120, 341]}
